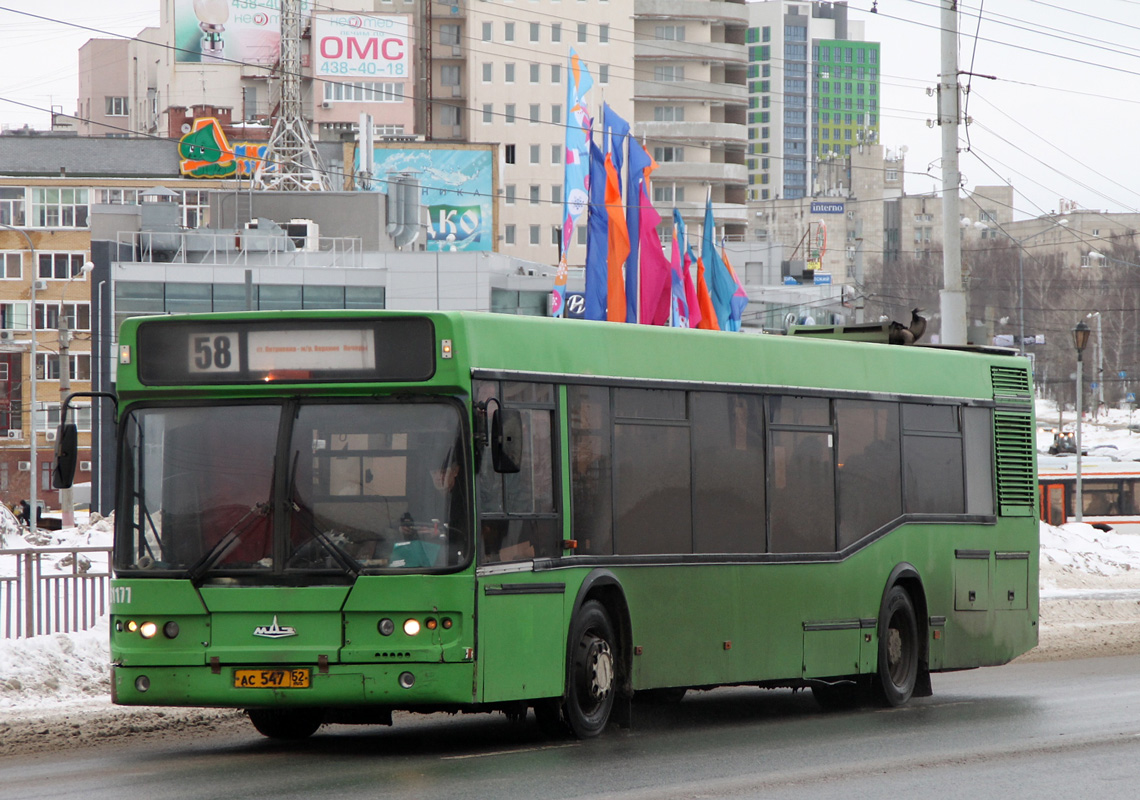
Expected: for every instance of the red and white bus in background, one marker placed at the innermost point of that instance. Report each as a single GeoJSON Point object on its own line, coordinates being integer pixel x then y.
{"type": "Point", "coordinates": [1110, 491]}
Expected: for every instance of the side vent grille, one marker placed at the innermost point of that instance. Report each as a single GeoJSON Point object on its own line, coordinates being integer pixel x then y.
{"type": "Point", "coordinates": [1016, 482]}
{"type": "Point", "coordinates": [1011, 385]}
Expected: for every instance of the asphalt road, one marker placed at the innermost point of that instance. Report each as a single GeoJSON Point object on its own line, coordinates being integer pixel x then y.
{"type": "Point", "coordinates": [1055, 729]}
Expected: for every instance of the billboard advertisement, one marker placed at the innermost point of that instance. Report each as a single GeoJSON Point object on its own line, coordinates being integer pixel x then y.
{"type": "Point", "coordinates": [229, 31]}
{"type": "Point", "coordinates": [359, 47]}
{"type": "Point", "coordinates": [457, 192]}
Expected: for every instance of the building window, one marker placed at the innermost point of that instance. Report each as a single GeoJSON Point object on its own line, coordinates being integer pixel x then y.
{"type": "Point", "coordinates": [487, 28]}
{"type": "Point", "coordinates": [14, 316]}
{"type": "Point", "coordinates": [509, 234]}
{"type": "Point", "coordinates": [536, 234]}
{"type": "Point", "coordinates": [535, 153]}
{"type": "Point", "coordinates": [450, 115]}
{"type": "Point", "coordinates": [555, 154]}
{"type": "Point", "coordinates": [47, 368]}
{"type": "Point", "coordinates": [582, 28]}
{"type": "Point", "coordinates": [667, 154]}
{"type": "Point", "coordinates": [556, 73]}
{"type": "Point", "coordinates": [535, 194]}
{"type": "Point", "coordinates": [671, 33]}
{"type": "Point", "coordinates": [116, 106]}
{"type": "Point", "coordinates": [556, 194]}
{"type": "Point", "coordinates": [449, 35]}
{"type": "Point", "coordinates": [509, 194]}
{"type": "Point", "coordinates": [508, 31]}
{"type": "Point", "coordinates": [510, 115]}
{"type": "Point", "coordinates": [367, 91]}
{"type": "Point", "coordinates": [60, 266]}
{"type": "Point", "coordinates": [488, 112]}
{"type": "Point", "coordinates": [668, 113]}
{"type": "Point", "coordinates": [535, 113]}
{"type": "Point", "coordinates": [449, 75]}
{"type": "Point", "coordinates": [509, 73]}
{"type": "Point", "coordinates": [603, 73]}
{"type": "Point", "coordinates": [667, 74]}
{"type": "Point", "coordinates": [603, 34]}
{"type": "Point", "coordinates": [59, 208]}
{"type": "Point", "coordinates": [556, 32]}
{"type": "Point", "coordinates": [12, 205]}
{"type": "Point", "coordinates": [488, 72]}
{"type": "Point", "coordinates": [508, 154]}
{"type": "Point", "coordinates": [535, 77]}
{"type": "Point", "coordinates": [534, 29]}
{"type": "Point", "coordinates": [78, 315]}
{"type": "Point", "coordinates": [12, 265]}
{"type": "Point", "coordinates": [556, 114]}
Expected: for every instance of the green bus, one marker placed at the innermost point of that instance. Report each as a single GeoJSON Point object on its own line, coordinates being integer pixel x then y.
{"type": "Point", "coordinates": [323, 517]}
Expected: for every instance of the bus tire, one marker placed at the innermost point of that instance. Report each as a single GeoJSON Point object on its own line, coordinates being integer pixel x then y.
{"type": "Point", "coordinates": [286, 723]}
{"type": "Point", "coordinates": [593, 661]}
{"type": "Point", "coordinates": [898, 648]}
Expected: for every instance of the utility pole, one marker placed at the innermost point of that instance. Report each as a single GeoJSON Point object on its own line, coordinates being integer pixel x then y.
{"type": "Point", "coordinates": [953, 295]}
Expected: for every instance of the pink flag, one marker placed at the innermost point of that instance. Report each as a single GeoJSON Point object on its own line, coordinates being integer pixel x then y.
{"type": "Point", "coordinates": [655, 267]}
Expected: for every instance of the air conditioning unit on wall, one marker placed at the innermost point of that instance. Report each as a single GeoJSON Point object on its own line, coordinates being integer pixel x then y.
{"type": "Point", "coordinates": [50, 435]}
{"type": "Point", "coordinates": [15, 433]}
{"type": "Point", "coordinates": [24, 466]}
{"type": "Point", "coordinates": [84, 466]}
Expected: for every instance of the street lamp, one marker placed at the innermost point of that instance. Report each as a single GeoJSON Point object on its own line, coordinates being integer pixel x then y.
{"type": "Point", "coordinates": [1080, 339]}
{"type": "Point", "coordinates": [66, 505]}
{"type": "Point", "coordinates": [32, 372]}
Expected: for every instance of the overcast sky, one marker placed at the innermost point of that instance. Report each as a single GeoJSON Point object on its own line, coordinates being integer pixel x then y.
{"type": "Point", "coordinates": [1059, 121]}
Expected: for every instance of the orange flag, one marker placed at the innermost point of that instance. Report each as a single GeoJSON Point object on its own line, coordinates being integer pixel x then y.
{"type": "Point", "coordinates": [618, 245]}
{"type": "Point", "coordinates": [704, 299]}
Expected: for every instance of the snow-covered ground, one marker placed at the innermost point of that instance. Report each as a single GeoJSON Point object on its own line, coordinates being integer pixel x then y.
{"type": "Point", "coordinates": [1090, 590]}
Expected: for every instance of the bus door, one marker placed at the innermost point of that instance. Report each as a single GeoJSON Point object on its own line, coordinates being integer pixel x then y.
{"type": "Point", "coordinates": [1053, 504]}
{"type": "Point", "coordinates": [521, 613]}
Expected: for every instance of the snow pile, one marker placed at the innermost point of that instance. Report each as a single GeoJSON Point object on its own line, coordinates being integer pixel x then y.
{"type": "Point", "coordinates": [61, 668]}
{"type": "Point", "coordinates": [1076, 547]}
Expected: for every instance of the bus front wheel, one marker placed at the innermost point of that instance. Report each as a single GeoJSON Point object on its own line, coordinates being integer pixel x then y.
{"type": "Point", "coordinates": [286, 723]}
{"type": "Point", "coordinates": [593, 676]}
{"type": "Point", "coordinates": [898, 648]}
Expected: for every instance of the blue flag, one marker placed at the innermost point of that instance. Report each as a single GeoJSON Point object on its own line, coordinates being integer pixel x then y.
{"type": "Point", "coordinates": [722, 285]}
{"type": "Point", "coordinates": [597, 241]}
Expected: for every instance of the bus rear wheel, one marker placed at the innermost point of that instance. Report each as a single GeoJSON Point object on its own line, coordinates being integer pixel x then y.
{"type": "Point", "coordinates": [898, 648]}
{"type": "Point", "coordinates": [286, 723]}
{"type": "Point", "coordinates": [593, 671]}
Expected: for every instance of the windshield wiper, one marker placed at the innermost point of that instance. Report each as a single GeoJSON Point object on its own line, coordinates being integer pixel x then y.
{"type": "Point", "coordinates": [348, 564]}
{"type": "Point", "coordinates": [230, 539]}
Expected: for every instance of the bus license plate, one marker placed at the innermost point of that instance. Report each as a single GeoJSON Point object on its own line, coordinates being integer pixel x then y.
{"type": "Point", "coordinates": [271, 679]}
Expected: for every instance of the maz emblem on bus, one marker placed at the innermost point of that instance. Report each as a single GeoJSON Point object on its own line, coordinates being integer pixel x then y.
{"type": "Point", "coordinates": [274, 631]}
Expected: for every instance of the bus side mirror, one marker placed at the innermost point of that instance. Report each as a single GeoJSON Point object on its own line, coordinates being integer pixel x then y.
{"type": "Point", "coordinates": [506, 440]}
{"type": "Point", "coordinates": [66, 456]}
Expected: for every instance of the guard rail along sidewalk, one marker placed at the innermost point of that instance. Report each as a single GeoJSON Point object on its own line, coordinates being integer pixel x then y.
{"type": "Point", "coordinates": [53, 590]}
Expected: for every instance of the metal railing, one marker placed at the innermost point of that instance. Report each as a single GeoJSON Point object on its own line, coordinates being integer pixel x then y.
{"type": "Point", "coordinates": [54, 594]}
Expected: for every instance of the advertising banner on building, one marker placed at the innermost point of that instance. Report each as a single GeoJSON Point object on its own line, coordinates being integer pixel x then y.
{"type": "Point", "coordinates": [457, 187]}
{"type": "Point", "coordinates": [359, 47]}
{"type": "Point", "coordinates": [229, 31]}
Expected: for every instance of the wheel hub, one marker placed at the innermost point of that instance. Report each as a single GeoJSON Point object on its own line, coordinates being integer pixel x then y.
{"type": "Point", "coordinates": [601, 669]}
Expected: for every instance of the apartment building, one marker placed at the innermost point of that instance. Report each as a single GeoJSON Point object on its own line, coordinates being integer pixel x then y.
{"type": "Point", "coordinates": [813, 87]}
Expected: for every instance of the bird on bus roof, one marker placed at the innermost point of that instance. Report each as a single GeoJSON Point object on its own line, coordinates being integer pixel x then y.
{"type": "Point", "coordinates": [908, 334]}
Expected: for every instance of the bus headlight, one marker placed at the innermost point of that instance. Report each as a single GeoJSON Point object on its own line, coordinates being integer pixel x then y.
{"type": "Point", "coordinates": [411, 627]}
{"type": "Point", "coordinates": [148, 630]}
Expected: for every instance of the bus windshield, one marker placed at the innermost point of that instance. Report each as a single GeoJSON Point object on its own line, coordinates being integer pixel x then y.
{"type": "Point", "coordinates": [357, 488]}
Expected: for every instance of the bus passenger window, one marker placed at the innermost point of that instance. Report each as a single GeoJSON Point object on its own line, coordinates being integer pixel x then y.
{"type": "Point", "coordinates": [932, 460]}
{"type": "Point", "coordinates": [728, 473]}
{"type": "Point", "coordinates": [590, 469]}
{"type": "Point", "coordinates": [870, 486]}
